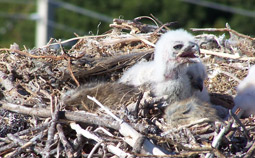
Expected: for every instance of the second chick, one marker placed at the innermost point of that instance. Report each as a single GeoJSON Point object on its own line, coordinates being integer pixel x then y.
{"type": "Point", "coordinates": [190, 111]}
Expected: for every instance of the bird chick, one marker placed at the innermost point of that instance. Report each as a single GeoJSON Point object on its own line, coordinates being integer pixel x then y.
{"type": "Point", "coordinates": [245, 98]}
{"type": "Point", "coordinates": [197, 74]}
{"type": "Point", "coordinates": [112, 95]}
{"type": "Point", "coordinates": [167, 73]}
{"type": "Point", "coordinates": [190, 111]}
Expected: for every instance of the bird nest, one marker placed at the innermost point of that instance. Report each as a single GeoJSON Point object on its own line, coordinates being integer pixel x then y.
{"type": "Point", "coordinates": [35, 123]}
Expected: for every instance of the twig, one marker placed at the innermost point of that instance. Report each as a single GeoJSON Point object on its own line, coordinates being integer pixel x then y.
{"type": "Point", "coordinates": [159, 21]}
{"type": "Point", "coordinates": [104, 130]}
{"type": "Point", "coordinates": [216, 141]}
{"type": "Point", "coordinates": [225, 55]}
{"type": "Point", "coordinates": [144, 40]}
{"type": "Point", "coordinates": [147, 17]}
{"type": "Point", "coordinates": [68, 148]}
{"type": "Point", "coordinates": [134, 25]}
{"type": "Point", "coordinates": [52, 128]}
{"type": "Point", "coordinates": [250, 152]}
{"type": "Point", "coordinates": [71, 72]}
{"type": "Point", "coordinates": [75, 38]}
{"type": "Point", "coordinates": [223, 30]}
{"type": "Point", "coordinates": [131, 136]}
{"type": "Point", "coordinates": [117, 151]}
{"type": "Point", "coordinates": [78, 144]}
{"type": "Point", "coordinates": [94, 149]}
{"type": "Point", "coordinates": [246, 133]}
{"type": "Point", "coordinates": [72, 116]}
{"type": "Point", "coordinates": [136, 111]}
{"type": "Point", "coordinates": [61, 57]}
{"type": "Point", "coordinates": [105, 108]}
{"type": "Point", "coordinates": [24, 144]}
{"type": "Point", "coordinates": [92, 136]}
{"type": "Point", "coordinates": [69, 64]}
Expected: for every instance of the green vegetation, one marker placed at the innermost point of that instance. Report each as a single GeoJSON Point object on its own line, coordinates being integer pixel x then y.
{"type": "Point", "coordinates": [188, 15]}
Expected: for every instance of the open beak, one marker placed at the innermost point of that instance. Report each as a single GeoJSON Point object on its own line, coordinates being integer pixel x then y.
{"type": "Point", "coordinates": [191, 52]}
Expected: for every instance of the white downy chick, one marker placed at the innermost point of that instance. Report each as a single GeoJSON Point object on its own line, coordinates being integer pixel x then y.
{"type": "Point", "coordinates": [197, 74]}
{"type": "Point", "coordinates": [167, 73]}
{"type": "Point", "coordinates": [245, 98]}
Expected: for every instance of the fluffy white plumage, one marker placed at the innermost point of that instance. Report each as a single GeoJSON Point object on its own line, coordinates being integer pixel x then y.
{"type": "Point", "coordinates": [167, 73]}
{"type": "Point", "coordinates": [245, 98]}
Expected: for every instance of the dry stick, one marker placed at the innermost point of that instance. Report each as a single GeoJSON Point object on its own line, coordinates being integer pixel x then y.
{"type": "Point", "coordinates": [68, 148]}
{"type": "Point", "coordinates": [246, 133]}
{"type": "Point", "coordinates": [144, 40]}
{"type": "Point", "coordinates": [104, 131]}
{"type": "Point", "coordinates": [13, 144]}
{"type": "Point", "coordinates": [84, 117]}
{"type": "Point", "coordinates": [216, 141]}
{"type": "Point", "coordinates": [223, 30]}
{"type": "Point", "coordinates": [92, 136]}
{"type": "Point", "coordinates": [69, 64]}
{"type": "Point", "coordinates": [52, 128]}
{"type": "Point", "coordinates": [23, 144]}
{"type": "Point", "coordinates": [78, 145]}
{"type": "Point", "coordinates": [16, 140]}
{"type": "Point", "coordinates": [72, 116]}
{"type": "Point", "coordinates": [40, 112]}
{"type": "Point", "coordinates": [26, 131]}
{"type": "Point", "coordinates": [218, 153]}
{"type": "Point", "coordinates": [122, 40]}
{"type": "Point", "coordinates": [117, 151]}
{"type": "Point", "coordinates": [35, 56]}
{"type": "Point", "coordinates": [131, 136]}
{"type": "Point", "coordinates": [38, 128]}
{"type": "Point", "coordinates": [147, 17]}
{"type": "Point", "coordinates": [76, 38]}
{"type": "Point", "coordinates": [157, 20]}
{"type": "Point", "coordinates": [225, 55]}
{"type": "Point", "coordinates": [19, 150]}
{"type": "Point", "coordinates": [7, 148]}
{"type": "Point", "coordinates": [250, 152]}
{"type": "Point", "coordinates": [105, 109]}
{"type": "Point", "coordinates": [94, 149]}
{"type": "Point", "coordinates": [162, 25]}
{"type": "Point", "coordinates": [71, 72]}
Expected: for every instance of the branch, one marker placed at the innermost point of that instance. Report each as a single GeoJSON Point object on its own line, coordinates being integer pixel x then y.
{"type": "Point", "coordinates": [225, 55]}
{"type": "Point", "coordinates": [131, 136]}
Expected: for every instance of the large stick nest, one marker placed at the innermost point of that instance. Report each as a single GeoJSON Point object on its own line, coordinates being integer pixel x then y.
{"type": "Point", "coordinates": [34, 123]}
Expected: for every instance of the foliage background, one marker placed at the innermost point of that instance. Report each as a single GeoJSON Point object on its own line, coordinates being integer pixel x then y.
{"type": "Point", "coordinates": [22, 30]}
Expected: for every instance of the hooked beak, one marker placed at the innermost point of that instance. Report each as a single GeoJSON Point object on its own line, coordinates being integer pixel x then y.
{"type": "Point", "coordinates": [189, 53]}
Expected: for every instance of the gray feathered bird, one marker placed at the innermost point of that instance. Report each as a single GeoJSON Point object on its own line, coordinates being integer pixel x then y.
{"type": "Point", "coordinates": [197, 74]}
{"type": "Point", "coordinates": [190, 111]}
{"type": "Point", "coordinates": [167, 73]}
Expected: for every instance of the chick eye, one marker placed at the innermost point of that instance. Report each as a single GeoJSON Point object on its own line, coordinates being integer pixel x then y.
{"type": "Point", "coordinates": [178, 46]}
